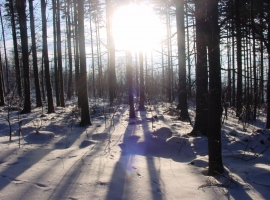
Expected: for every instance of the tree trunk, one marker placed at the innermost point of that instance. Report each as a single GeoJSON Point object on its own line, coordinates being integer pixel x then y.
{"type": "Point", "coordinates": [70, 85]}
{"type": "Point", "coordinates": [46, 59]}
{"type": "Point", "coordinates": [268, 80]}
{"type": "Point", "coordinates": [56, 74]}
{"type": "Point", "coordinates": [5, 51]}
{"type": "Point", "coordinates": [130, 85]}
{"type": "Point", "coordinates": [21, 5]}
{"type": "Point", "coordinates": [182, 105]}
{"type": "Point", "coordinates": [239, 59]}
{"type": "Point", "coordinates": [214, 98]}
{"type": "Point", "coordinates": [82, 90]}
{"type": "Point", "coordinates": [15, 45]}
{"type": "Point", "coordinates": [2, 96]}
{"type": "Point", "coordinates": [169, 80]}
{"type": "Point", "coordinates": [111, 67]}
{"type": "Point", "coordinates": [200, 126]}
{"type": "Point", "coordinates": [34, 54]}
{"type": "Point", "coordinates": [59, 57]}
{"type": "Point", "coordinates": [142, 96]}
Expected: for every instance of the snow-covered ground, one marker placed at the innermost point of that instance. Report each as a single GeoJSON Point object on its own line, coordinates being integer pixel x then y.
{"type": "Point", "coordinates": [149, 157]}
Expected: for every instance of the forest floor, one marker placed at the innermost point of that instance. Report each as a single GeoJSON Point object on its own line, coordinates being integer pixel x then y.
{"type": "Point", "coordinates": [149, 157]}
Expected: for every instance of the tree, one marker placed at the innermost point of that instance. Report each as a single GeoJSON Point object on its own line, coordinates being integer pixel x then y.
{"type": "Point", "coordinates": [34, 54]}
{"type": "Point", "coordinates": [59, 57]}
{"type": "Point", "coordinates": [45, 58]}
{"type": "Point", "coordinates": [201, 71]}
{"type": "Point", "coordinates": [239, 59]}
{"type": "Point", "coordinates": [142, 96]}
{"type": "Point", "coordinates": [82, 90]}
{"type": "Point", "coordinates": [21, 5]}
{"type": "Point", "coordinates": [56, 74]}
{"type": "Point", "coordinates": [214, 98]}
{"type": "Point", "coordinates": [130, 85]}
{"type": "Point", "coordinates": [111, 55]}
{"type": "Point", "coordinates": [10, 5]}
{"type": "Point", "coordinates": [2, 96]}
{"type": "Point", "coordinates": [70, 85]}
{"type": "Point", "coordinates": [182, 104]}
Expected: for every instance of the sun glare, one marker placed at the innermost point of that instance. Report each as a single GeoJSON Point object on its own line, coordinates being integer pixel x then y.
{"type": "Point", "coordinates": [136, 28]}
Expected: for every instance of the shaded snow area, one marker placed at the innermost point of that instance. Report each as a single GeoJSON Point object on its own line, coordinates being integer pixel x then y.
{"type": "Point", "coordinates": [149, 157]}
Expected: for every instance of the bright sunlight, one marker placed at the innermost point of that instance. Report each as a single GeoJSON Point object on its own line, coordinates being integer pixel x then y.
{"type": "Point", "coordinates": [136, 28]}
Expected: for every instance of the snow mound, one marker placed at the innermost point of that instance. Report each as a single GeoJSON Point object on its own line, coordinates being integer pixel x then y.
{"type": "Point", "coordinates": [163, 133]}
{"type": "Point", "coordinates": [39, 138]}
{"type": "Point", "coordinates": [199, 162]}
{"type": "Point", "coordinates": [176, 140]}
{"type": "Point", "coordinates": [87, 143]}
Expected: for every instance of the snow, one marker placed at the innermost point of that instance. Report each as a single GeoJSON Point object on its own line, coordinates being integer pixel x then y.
{"type": "Point", "coordinates": [149, 157]}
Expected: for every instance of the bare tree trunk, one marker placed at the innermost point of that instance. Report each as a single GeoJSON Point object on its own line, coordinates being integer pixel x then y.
{"type": "Point", "coordinates": [214, 98]}
{"type": "Point", "coordinates": [200, 126]}
{"type": "Point", "coordinates": [82, 90]}
{"type": "Point", "coordinates": [130, 85]}
{"type": "Point", "coordinates": [2, 96]}
{"type": "Point", "coordinates": [111, 67]}
{"type": "Point", "coordinates": [46, 59]}
{"type": "Point", "coordinates": [15, 45]}
{"type": "Point", "coordinates": [70, 85]}
{"type": "Point", "coordinates": [169, 85]}
{"type": "Point", "coordinates": [92, 52]}
{"type": "Point", "coordinates": [239, 59]}
{"type": "Point", "coordinates": [182, 105]}
{"type": "Point", "coordinates": [21, 5]}
{"type": "Point", "coordinates": [59, 57]}
{"type": "Point", "coordinates": [5, 51]}
{"type": "Point", "coordinates": [142, 96]}
{"type": "Point", "coordinates": [34, 54]}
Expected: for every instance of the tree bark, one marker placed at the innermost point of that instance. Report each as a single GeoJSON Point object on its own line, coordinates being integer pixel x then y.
{"type": "Point", "coordinates": [214, 99]}
{"type": "Point", "coordinates": [180, 24]}
{"type": "Point", "coordinates": [59, 57]}
{"type": "Point", "coordinates": [15, 46]}
{"type": "Point", "coordinates": [21, 5]}
{"type": "Point", "coordinates": [142, 96]}
{"type": "Point", "coordinates": [200, 126]}
{"type": "Point", "coordinates": [46, 59]}
{"type": "Point", "coordinates": [82, 90]}
{"type": "Point", "coordinates": [130, 85]}
{"type": "Point", "coordinates": [34, 54]}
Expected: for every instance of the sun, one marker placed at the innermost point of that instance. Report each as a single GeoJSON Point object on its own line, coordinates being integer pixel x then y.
{"type": "Point", "coordinates": [136, 28]}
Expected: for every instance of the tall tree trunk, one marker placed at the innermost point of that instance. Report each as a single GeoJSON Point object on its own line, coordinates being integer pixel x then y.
{"type": "Point", "coordinates": [201, 71]}
{"type": "Point", "coordinates": [214, 98]}
{"type": "Point", "coordinates": [182, 105]}
{"type": "Point", "coordinates": [21, 5]}
{"type": "Point", "coordinates": [142, 96]}
{"type": "Point", "coordinates": [188, 56]}
{"type": "Point", "coordinates": [70, 85]}
{"type": "Point", "coordinates": [268, 80]}
{"type": "Point", "coordinates": [169, 80]}
{"type": "Point", "coordinates": [111, 67]}
{"type": "Point", "coordinates": [262, 77]}
{"type": "Point", "coordinates": [2, 96]}
{"type": "Point", "coordinates": [46, 59]}
{"type": "Point", "coordinates": [82, 90]}
{"type": "Point", "coordinates": [34, 54]}
{"type": "Point", "coordinates": [92, 52]}
{"type": "Point", "coordinates": [15, 45]}
{"type": "Point", "coordinates": [254, 61]}
{"type": "Point", "coordinates": [239, 59]}
{"type": "Point", "coordinates": [77, 58]}
{"type": "Point", "coordinates": [130, 85]}
{"type": "Point", "coordinates": [5, 51]}
{"type": "Point", "coordinates": [56, 74]}
{"type": "Point", "coordinates": [59, 57]}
